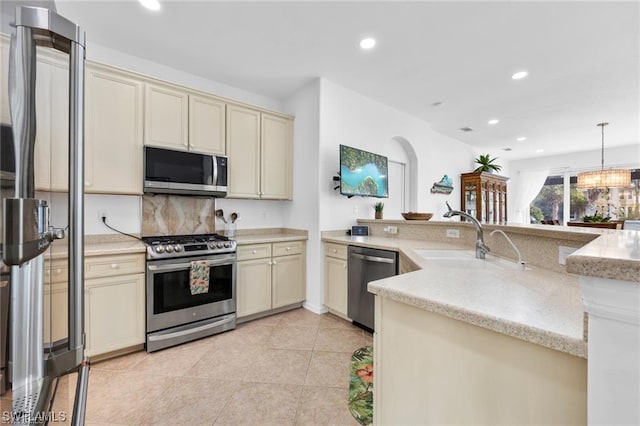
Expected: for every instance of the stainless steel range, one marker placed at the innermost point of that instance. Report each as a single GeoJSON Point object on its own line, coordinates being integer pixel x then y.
{"type": "Point", "coordinates": [174, 314]}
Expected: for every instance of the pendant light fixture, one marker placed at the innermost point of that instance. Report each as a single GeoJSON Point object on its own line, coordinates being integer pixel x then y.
{"type": "Point", "coordinates": [604, 178]}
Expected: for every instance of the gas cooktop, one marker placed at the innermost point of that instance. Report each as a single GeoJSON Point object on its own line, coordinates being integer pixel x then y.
{"type": "Point", "coordinates": [172, 246]}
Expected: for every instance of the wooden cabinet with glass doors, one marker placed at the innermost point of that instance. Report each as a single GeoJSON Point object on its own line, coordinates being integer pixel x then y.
{"type": "Point", "coordinates": [484, 196]}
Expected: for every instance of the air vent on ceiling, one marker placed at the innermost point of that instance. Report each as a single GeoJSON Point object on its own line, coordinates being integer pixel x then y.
{"type": "Point", "coordinates": [466, 129]}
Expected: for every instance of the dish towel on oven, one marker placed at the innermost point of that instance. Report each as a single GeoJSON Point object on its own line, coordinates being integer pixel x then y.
{"type": "Point", "coordinates": [199, 277]}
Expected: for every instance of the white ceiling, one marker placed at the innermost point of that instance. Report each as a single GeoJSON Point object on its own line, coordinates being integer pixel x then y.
{"type": "Point", "coordinates": [583, 59]}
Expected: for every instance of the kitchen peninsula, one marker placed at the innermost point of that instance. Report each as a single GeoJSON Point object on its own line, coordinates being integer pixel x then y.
{"type": "Point", "coordinates": [458, 339]}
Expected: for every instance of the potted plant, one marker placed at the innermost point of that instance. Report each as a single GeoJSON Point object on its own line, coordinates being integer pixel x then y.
{"type": "Point", "coordinates": [378, 207]}
{"type": "Point", "coordinates": [486, 164]}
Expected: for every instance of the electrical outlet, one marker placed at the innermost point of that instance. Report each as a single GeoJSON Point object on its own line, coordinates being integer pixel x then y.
{"type": "Point", "coordinates": [391, 229]}
{"type": "Point", "coordinates": [103, 213]}
{"type": "Point", "coordinates": [453, 233]}
{"type": "Point", "coordinates": [563, 253]}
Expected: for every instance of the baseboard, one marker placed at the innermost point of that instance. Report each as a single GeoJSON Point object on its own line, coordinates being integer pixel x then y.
{"type": "Point", "coordinates": [315, 308]}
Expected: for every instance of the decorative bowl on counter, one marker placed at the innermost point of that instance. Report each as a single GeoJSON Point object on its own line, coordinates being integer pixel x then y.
{"type": "Point", "coordinates": [417, 216]}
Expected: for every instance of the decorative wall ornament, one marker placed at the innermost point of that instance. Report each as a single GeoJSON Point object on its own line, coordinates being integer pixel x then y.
{"type": "Point", "coordinates": [445, 186]}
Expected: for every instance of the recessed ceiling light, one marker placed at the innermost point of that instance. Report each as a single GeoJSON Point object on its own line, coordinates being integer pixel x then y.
{"type": "Point", "coordinates": [150, 4]}
{"type": "Point", "coordinates": [521, 138]}
{"type": "Point", "coordinates": [367, 43]}
{"type": "Point", "coordinates": [493, 121]}
{"type": "Point", "coordinates": [519, 75]}
{"type": "Point", "coordinates": [539, 150]}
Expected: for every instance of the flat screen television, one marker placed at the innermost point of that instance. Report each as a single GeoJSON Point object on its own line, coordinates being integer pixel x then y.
{"type": "Point", "coordinates": [363, 173]}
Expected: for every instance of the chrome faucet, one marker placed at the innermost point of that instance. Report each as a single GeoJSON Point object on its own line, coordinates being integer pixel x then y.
{"type": "Point", "coordinates": [481, 248]}
{"type": "Point", "coordinates": [520, 261]}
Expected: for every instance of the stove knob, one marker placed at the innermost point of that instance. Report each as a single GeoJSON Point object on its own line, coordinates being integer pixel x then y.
{"type": "Point", "coordinates": [177, 248]}
{"type": "Point", "coordinates": [160, 249]}
{"type": "Point", "coordinates": [220, 245]}
{"type": "Point", "coordinates": [169, 248]}
{"type": "Point", "coordinates": [227, 244]}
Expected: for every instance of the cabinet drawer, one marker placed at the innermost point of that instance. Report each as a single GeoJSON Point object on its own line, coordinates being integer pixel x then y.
{"type": "Point", "coordinates": [287, 248]}
{"type": "Point", "coordinates": [335, 250]}
{"type": "Point", "coordinates": [56, 271]}
{"type": "Point", "coordinates": [253, 251]}
{"type": "Point", "coordinates": [108, 266]}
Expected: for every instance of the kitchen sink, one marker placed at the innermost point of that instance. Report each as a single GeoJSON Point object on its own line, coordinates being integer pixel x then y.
{"type": "Point", "coordinates": [467, 259]}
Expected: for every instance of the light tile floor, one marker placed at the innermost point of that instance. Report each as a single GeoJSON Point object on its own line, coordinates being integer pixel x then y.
{"type": "Point", "coordinates": [289, 368]}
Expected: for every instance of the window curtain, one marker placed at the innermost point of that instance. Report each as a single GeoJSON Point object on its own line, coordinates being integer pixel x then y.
{"type": "Point", "coordinates": [526, 188]}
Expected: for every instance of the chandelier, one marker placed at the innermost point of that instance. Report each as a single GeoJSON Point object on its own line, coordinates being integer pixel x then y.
{"type": "Point", "coordinates": [604, 178]}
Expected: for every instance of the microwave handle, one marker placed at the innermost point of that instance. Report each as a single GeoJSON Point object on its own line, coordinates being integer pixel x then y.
{"type": "Point", "coordinates": [215, 170]}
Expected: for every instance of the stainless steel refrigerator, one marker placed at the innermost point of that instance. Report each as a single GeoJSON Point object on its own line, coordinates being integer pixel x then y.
{"type": "Point", "coordinates": [34, 368]}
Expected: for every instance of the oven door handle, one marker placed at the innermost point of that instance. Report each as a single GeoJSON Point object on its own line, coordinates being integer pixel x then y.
{"type": "Point", "coordinates": [190, 330]}
{"type": "Point", "coordinates": [178, 266]}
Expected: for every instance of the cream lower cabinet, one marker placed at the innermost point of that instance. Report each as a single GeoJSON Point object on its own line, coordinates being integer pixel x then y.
{"type": "Point", "coordinates": [114, 295]}
{"type": "Point", "coordinates": [270, 276]}
{"type": "Point", "coordinates": [114, 313]}
{"type": "Point", "coordinates": [335, 279]}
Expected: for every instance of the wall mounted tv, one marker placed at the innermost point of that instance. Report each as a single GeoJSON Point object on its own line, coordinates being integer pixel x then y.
{"type": "Point", "coordinates": [363, 173]}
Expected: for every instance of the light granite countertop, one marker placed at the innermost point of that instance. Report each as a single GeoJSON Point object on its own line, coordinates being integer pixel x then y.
{"type": "Point", "coordinates": [269, 238]}
{"type": "Point", "coordinates": [614, 255]}
{"type": "Point", "coordinates": [536, 305]}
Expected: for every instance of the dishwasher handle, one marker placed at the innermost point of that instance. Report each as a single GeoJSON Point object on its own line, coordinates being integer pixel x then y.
{"type": "Point", "coordinates": [373, 258]}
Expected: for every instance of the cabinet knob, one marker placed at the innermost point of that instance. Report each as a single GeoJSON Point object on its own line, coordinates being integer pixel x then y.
{"type": "Point", "coordinates": [288, 248]}
{"type": "Point", "coordinates": [274, 262]}
{"type": "Point", "coordinates": [335, 250]}
{"type": "Point", "coordinates": [269, 263]}
{"type": "Point", "coordinates": [344, 266]}
{"type": "Point", "coordinates": [87, 183]}
{"type": "Point", "coordinates": [114, 266]}
{"type": "Point", "coordinates": [253, 251]}
{"type": "Point", "coordinates": [58, 271]}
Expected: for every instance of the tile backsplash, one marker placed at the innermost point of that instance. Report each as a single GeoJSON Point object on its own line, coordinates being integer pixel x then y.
{"type": "Point", "coordinates": [177, 215]}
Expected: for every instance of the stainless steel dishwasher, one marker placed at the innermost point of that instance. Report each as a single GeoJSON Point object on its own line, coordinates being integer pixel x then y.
{"type": "Point", "coordinates": [365, 265]}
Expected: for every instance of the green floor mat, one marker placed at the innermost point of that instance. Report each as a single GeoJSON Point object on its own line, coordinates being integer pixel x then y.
{"type": "Point", "coordinates": [361, 385]}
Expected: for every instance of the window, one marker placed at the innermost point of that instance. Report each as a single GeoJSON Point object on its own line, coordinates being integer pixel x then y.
{"type": "Point", "coordinates": [548, 206]}
{"type": "Point", "coordinates": [615, 203]}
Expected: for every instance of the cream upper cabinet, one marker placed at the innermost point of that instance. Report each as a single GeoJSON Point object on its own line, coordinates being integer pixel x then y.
{"type": "Point", "coordinates": [260, 149]}
{"type": "Point", "coordinates": [243, 149]}
{"type": "Point", "coordinates": [5, 113]}
{"type": "Point", "coordinates": [276, 161]}
{"type": "Point", "coordinates": [166, 116]}
{"type": "Point", "coordinates": [207, 125]}
{"type": "Point", "coordinates": [113, 131]}
{"type": "Point", "coordinates": [51, 169]}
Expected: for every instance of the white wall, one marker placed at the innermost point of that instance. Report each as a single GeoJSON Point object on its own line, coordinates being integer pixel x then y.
{"type": "Point", "coordinates": [304, 212]}
{"type": "Point", "coordinates": [349, 118]}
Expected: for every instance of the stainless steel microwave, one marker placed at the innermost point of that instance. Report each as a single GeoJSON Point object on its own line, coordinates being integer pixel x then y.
{"type": "Point", "coordinates": [168, 171]}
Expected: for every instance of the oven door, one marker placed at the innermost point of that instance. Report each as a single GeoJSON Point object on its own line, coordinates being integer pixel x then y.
{"type": "Point", "coordinates": [169, 299]}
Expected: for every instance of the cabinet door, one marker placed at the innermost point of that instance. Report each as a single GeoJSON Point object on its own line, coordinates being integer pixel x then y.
{"type": "Point", "coordinates": [207, 125]}
{"type": "Point", "coordinates": [5, 113]}
{"type": "Point", "coordinates": [166, 117]}
{"type": "Point", "coordinates": [253, 286]}
{"type": "Point", "coordinates": [287, 280]}
{"type": "Point", "coordinates": [52, 121]}
{"type": "Point", "coordinates": [113, 129]}
{"type": "Point", "coordinates": [335, 284]}
{"type": "Point", "coordinates": [56, 312]}
{"type": "Point", "coordinates": [243, 149]}
{"type": "Point", "coordinates": [114, 313]}
{"type": "Point", "coordinates": [276, 161]}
